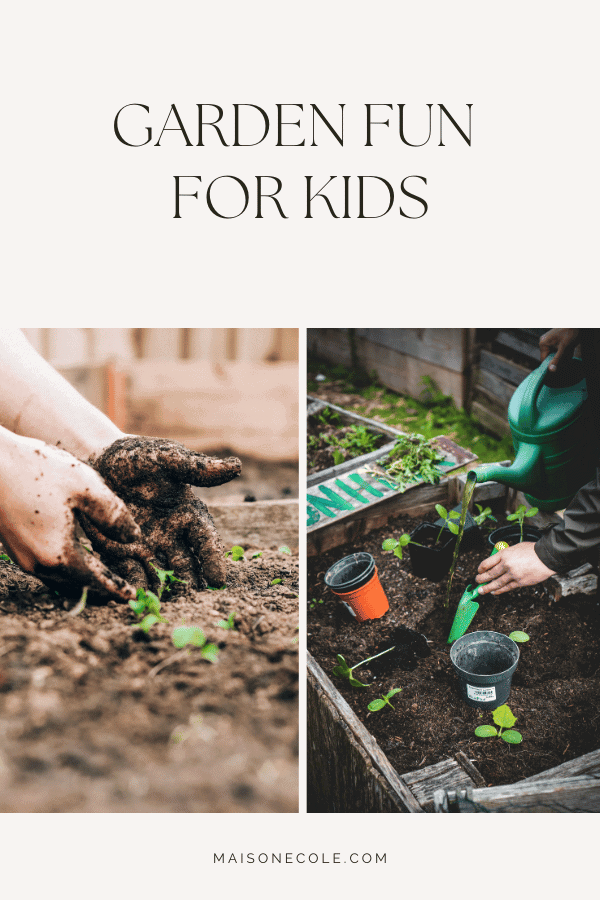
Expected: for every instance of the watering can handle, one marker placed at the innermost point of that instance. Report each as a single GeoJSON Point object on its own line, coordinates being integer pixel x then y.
{"type": "Point", "coordinates": [527, 412]}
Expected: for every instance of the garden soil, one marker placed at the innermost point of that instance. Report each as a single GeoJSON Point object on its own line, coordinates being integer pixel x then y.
{"type": "Point", "coordinates": [97, 716]}
{"type": "Point", "coordinates": [555, 691]}
{"type": "Point", "coordinates": [320, 452]}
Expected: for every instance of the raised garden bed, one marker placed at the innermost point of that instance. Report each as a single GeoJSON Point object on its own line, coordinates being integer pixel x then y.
{"type": "Point", "coordinates": [100, 717]}
{"type": "Point", "coordinates": [397, 759]}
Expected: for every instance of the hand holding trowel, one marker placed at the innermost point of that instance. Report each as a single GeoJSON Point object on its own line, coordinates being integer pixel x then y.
{"type": "Point", "coordinates": [467, 607]}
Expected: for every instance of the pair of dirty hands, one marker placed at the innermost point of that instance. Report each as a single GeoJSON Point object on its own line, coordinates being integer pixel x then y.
{"type": "Point", "coordinates": [136, 506]}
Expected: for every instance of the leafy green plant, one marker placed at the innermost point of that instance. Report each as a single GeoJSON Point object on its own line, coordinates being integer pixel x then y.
{"type": "Point", "coordinates": [277, 581]}
{"type": "Point", "coordinates": [520, 514]}
{"type": "Point", "coordinates": [148, 604]}
{"type": "Point", "coordinates": [412, 458]}
{"type": "Point", "coordinates": [384, 700]}
{"type": "Point", "coordinates": [285, 549]}
{"type": "Point", "coordinates": [191, 634]}
{"type": "Point", "coordinates": [236, 553]}
{"type": "Point", "coordinates": [229, 622]}
{"type": "Point", "coordinates": [328, 417]}
{"type": "Point", "coordinates": [256, 555]}
{"type": "Point", "coordinates": [483, 515]}
{"type": "Point", "coordinates": [520, 637]}
{"type": "Point", "coordinates": [338, 457]}
{"type": "Point", "coordinates": [6, 559]}
{"type": "Point", "coordinates": [314, 603]}
{"type": "Point", "coordinates": [505, 720]}
{"type": "Point", "coordinates": [446, 516]}
{"type": "Point", "coordinates": [343, 670]}
{"type": "Point", "coordinates": [391, 544]}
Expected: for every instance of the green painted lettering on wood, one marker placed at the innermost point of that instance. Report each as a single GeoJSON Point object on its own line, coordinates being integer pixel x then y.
{"type": "Point", "coordinates": [364, 485]}
{"type": "Point", "coordinates": [350, 491]}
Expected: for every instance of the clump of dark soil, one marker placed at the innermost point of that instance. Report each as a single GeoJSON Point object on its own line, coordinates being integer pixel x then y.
{"type": "Point", "coordinates": [555, 691]}
{"type": "Point", "coordinates": [326, 437]}
{"type": "Point", "coordinates": [99, 717]}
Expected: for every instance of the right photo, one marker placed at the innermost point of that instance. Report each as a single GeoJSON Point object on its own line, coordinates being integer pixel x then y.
{"type": "Point", "coordinates": [453, 538]}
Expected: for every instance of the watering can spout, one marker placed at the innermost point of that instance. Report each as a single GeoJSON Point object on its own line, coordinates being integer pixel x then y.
{"type": "Point", "coordinates": [523, 474]}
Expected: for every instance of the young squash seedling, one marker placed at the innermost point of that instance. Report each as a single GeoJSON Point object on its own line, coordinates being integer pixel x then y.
{"type": "Point", "coordinates": [391, 544]}
{"type": "Point", "coordinates": [343, 670]}
{"type": "Point", "coordinates": [236, 553]}
{"type": "Point", "coordinates": [505, 720]}
{"type": "Point", "coordinates": [384, 700]}
{"type": "Point", "coordinates": [229, 622]}
{"type": "Point", "coordinates": [483, 515]}
{"type": "Point", "coordinates": [191, 634]}
{"type": "Point", "coordinates": [446, 516]}
{"type": "Point", "coordinates": [520, 515]}
{"type": "Point", "coordinates": [519, 637]}
{"type": "Point", "coordinates": [148, 602]}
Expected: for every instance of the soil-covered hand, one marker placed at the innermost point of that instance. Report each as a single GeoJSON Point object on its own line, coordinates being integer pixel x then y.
{"type": "Point", "coordinates": [42, 492]}
{"type": "Point", "coordinates": [153, 477]}
{"type": "Point", "coordinates": [515, 567]}
{"type": "Point", "coordinates": [561, 340]}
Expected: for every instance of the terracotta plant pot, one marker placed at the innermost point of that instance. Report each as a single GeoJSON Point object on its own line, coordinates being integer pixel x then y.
{"type": "Point", "coordinates": [354, 579]}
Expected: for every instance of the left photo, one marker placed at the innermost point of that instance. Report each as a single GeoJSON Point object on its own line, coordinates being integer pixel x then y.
{"type": "Point", "coordinates": [149, 570]}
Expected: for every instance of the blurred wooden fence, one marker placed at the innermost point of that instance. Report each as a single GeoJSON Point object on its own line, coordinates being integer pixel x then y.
{"type": "Point", "coordinates": [98, 346]}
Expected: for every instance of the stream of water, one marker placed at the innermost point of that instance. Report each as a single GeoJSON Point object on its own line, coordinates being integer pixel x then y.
{"type": "Point", "coordinates": [468, 493]}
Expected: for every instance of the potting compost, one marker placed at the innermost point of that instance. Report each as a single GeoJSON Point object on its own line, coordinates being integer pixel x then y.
{"type": "Point", "coordinates": [555, 690]}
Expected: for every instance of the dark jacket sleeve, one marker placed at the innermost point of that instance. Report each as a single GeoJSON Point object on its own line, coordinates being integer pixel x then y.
{"type": "Point", "coordinates": [577, 537]}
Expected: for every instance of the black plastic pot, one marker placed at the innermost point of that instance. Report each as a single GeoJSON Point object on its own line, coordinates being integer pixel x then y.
{"type": "Point", "coordinates": [430, 561]}
{"type": "Point", "coordinates": [484, 662]}
{"type": "Point", "coordinates": [511, 534]}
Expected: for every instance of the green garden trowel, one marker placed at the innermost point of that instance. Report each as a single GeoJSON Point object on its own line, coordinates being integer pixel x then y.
{"type": "Point", "coordinates": [467, 607]}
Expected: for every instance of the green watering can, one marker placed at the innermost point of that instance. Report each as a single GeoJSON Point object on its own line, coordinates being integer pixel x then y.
{"type": "Point", "coordinates": [556, 451]}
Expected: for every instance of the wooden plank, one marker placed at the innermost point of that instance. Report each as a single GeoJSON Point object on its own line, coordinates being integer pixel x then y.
{"type": "Point", "coordinates": [556, 795]}
{"type": "Point", "coordinates": [264, 523]}
{"type": "Point", "coordinates": [582, 580]}
{"type": "Point", "coordinates": [495, 387]}
{"type": "Point", "coordinates": [522, 343]}
{"type": "Point", "coordinates": [490, 420]}
{"type": "Point", "coordinates": [449, 774]}
{"type": "Point", "coordinates": [502, 368]}
{"type": "Point", "coordinates": [415, 502]}
{"type": "Point", "coordinates": [433, 345]}
{"type": "Point", "coordinates": [404, 373]}
{"type": "Point", "coordinates": [583, 765]}
{"type": "Point", "coordinates": [347, 771]}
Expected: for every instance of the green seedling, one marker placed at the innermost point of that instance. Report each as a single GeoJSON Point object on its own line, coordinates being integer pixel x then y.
{"type": "Point", "coordinates": [277, 581]}
{"type": "Point", "coordinates": [166, 579]}
{"type": "Point", "coordinates": [520, 515]}
{"type": "Point", "coordinates": [338, 457]}
{"type": "Point", "coordinates": [148, 602]}
{"type": "Point", "coordinates": [343, 670]}
{"type": "Point", "coordinates": [446, 516]}
{"type": "Point", "coordinates": [314, 603]}
{"type": "Point", "coordinates": [229, 622]}
{"type": "Point", "coordinates": [384, 700]}
{"type": "Point", "coordinates": [391, 544]}
{"type": "Point", "coordinates": [483, 515]}
{"type": "Point", "coordinates": [505, 720]}
{"type": "Point", "coordinates": [6, 559]}
{"type": "Point", "coordinates": [285, 549]}
{"type": "Point", "coordinates": [519, 637]}
{"type": "Point", "coordinates": [209, 588]}
{"type": "Point", "coordinates": [256, 555]}
{"type": "Point", "coordinates": [236, 553]}
{"type": "Point", "coordinates": [191, 634]}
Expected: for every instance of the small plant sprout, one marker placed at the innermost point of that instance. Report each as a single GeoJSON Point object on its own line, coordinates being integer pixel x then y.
{"type": "Point", "coordinates": [148, 602]}
{"type": "Point", "coordinates": [391, 544]}
{"type": "Point", "coordinates": [276, 581]}
{"type": "Point", "coordinates": [314, 602]}
{"type": "Point", "coordinates": [285, 549]}
{"type": "Point", "coordinates": [520, 514]}
{"type": "Point", "coordinates": [79, 608]}
{"type": "Point", "coordinates": [384, 700]}
{"type": "Point", "coordinates": [236, 553]}
{"type": "Point", "coordinates": [166, 578]}
{"type": "Point", "coordinates": [6, 559]}
{"type": "Point", "coordinates": [447, 516]}
{"type": "Point", "coordinates": [519, 637]}
{"type": "Point", "coordinates": [229, 622]}
{"type": "Point", "coordinates": [256, 555]}
{"type": "Point", "coordinates": [505, 720]}
{"type": "Point", "coordinates": [483, 514]}
{"type": "Point", "coordinates": [343, 670]}
{"type": "Point", "coordinates": [191, 634]}
{"type": "Point", "coordinates": [338, 457]}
